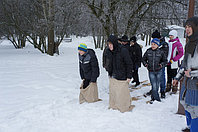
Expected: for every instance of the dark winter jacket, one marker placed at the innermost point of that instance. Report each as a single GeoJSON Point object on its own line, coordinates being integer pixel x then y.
{"type": "Point", "coordinates": [127, 46]}
{"type": "Point", "coordinates": [136, 55]}
{"type": "Point", "coordinates": [154, 60]}
{"type": "Point", "coordinates": [164, 47]}
{"type": "Point", "coordinates": [120, 61]}
{"type": "Point", "coordinates": [89, 66]}
{"type": "Point", "coordinates": [105, 59]}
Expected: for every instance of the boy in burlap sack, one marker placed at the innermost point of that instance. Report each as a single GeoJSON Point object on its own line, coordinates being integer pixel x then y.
{"type": "Point", "coordinates": [89, 72]}
{"type": "Point", "coordinates": [120, 73]}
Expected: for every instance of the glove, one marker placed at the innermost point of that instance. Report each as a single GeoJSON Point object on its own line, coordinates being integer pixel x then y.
{"type": "Point", "coordinates": [86, 83]}
{"type": "Point", "coordinates": [171, 61]}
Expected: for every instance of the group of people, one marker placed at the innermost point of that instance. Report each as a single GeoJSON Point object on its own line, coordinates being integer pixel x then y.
{"type": "Point", "coordinates": [122, 58]}
{"type": "Point", "coordinates": [156, 59]}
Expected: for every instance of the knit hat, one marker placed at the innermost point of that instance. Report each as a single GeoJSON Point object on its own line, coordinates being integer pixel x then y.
{"type": "Point", "coordinates": [133, 39]}
{"type": "Point", "coordinates": [156, 41]}
{"type": "Point", "coordinates": [156, 34]}
{"type": "Point", "coordinates": [173, 33]}
{"type": "Point", "coordinates": [82, 47]}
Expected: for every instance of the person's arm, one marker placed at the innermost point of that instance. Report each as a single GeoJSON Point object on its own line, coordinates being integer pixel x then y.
{"type": "Point", "coordinates": [95, 68]}
{"type": "Point", "coordinates": [180, 52]}
{"type": "Point", "coordinates": [164, 60]}
{"type": "Point", "coordinates": [181, 71]}
{"type": "Point", "coordinates": [81, 71]}
{"type": "Point", "coordinates": [144, 59]}
{"type": "Point", "coordinates": [180, 74]}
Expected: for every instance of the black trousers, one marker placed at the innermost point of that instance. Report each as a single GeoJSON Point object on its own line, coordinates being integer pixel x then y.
{"type": "Point", "coordinates": [171, 73]}
{"type": "Point", "coordinates": [135, 76]}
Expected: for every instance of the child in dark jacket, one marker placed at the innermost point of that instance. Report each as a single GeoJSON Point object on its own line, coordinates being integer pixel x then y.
{"type": "Point", "coordinates": [154, 59]}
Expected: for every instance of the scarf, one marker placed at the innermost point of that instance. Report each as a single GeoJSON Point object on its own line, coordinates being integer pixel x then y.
{"type": "Point", "coordinates": [191, 44]}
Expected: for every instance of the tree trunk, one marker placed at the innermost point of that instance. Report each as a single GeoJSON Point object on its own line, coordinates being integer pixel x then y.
{"type": "Point", "coordinates": [103, 42]}
{"type": "Point", "coordinates": [51, 28]}
{"type": "Point", "coordinates": [98, 41]}
{"type": "Point", "coordinates": [23, 41]}
{"type": "Point", "coordinates": [146, 40]}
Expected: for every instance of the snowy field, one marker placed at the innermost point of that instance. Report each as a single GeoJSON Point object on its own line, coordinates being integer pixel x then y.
{"type": "Point", "coordinates": [39, 93]}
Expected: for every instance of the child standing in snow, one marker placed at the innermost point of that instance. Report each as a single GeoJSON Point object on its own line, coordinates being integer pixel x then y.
{"type": "Point", "coordinates": [164, 47]}
{"type": "Point", "coordinates": [174, 55]}
{"type": "Point", "coordinates": [136, 57]}
{"type": "Point", "coordinates": [89, 72]}
{"type": "Point", "coordinates": [154, 59]}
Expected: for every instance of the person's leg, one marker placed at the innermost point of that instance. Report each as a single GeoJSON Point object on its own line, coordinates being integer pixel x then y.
{"type": "Point", "coordinates": [194, 125]}
{"type": "Point", "coordinates": [188, 118]}
{"type": "Point", "coordinates": [133, 75]}
{"type": "Point", "coordinates": [153, 80]}
{"type": "Point", "coordinates": [137, 75]}
{"type": "Point", "coordinates": [163, 81]}
{"type": "Point", "coordinates": [136, 78]}
{"type": "Point", "coordinates": [168, 74]}
{"type": "Point", "coordinates": [175, 88]}
{"type": "Point", "coordinates": [169, 80]}
{"type": "Point", "coordinates": [158, 78]}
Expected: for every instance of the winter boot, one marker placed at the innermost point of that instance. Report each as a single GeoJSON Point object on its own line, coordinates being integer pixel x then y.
{"type": "Point", "coordinates": [168, 87]}
{"type": "Point", "coordinates": [133, 81]}
{"type": "Point", "coordinates": [151, 101]}
{"type": "Point", "coordinates": [137, 84]}
{"type": "Point", "coordinates": [174, 89]}
{"type": "Point", "coordinates": [163, 95]}
{"type": "Point", "coordinates": [149, 93]}
{"type": "Point", "coordinates": [186, 130]}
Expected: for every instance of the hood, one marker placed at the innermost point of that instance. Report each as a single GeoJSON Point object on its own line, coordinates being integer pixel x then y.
{"type": "Point", "coordinates": [193, 22]}
{"type": "Point", "coordinates": [114, 40]}
{"type": "Point", "coordinates": [193, 39]}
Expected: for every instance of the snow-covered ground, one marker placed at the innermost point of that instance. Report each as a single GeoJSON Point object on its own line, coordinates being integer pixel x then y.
{"type": "Point", "coordinates": [39, 93]}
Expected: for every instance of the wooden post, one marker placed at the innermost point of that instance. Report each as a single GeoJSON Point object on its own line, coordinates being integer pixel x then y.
{"type": "Point", "coordinates": [191, 9]}
{"type": "Point", "coordinates": [181, 110]}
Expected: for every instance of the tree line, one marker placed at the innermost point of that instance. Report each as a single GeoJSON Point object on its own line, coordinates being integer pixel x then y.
{"type": "Point", "coordinates": [45, 23]}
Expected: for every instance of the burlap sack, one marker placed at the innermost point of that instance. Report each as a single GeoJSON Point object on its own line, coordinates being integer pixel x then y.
{"type": "Point", "coordinates": [89, 94]}
{"type": "Point", "coordinates": [119, 95]}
